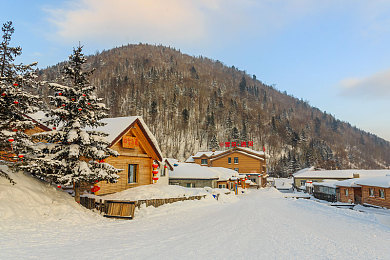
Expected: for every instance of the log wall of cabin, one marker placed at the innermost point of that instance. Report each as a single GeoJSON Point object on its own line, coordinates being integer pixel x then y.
{"type": "Point", "coordinates": [344, 198]}
{"type": "Point", "coordinates": [246, 164]}
{"type": "Point", "coordinates": [376, 200]}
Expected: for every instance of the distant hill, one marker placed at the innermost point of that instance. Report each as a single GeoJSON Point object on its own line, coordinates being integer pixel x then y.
{"type": "Point", "coordinates": [194, 103]}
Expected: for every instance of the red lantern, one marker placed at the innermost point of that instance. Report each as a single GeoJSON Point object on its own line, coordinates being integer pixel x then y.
{"type": "Point", "coordinates": [20, 156]}
{"type": "Point", "coordinates": [96, 181]}
{"type": "Point", "coordinates": [10, 139]}
{"type": "Point", "coordinates": [60, 94]}
{"type": "Point", "coordinates": [101, 161]}
{"type": "Point", "coordinates": [154, 165]}
{"type": "Point", "coordinates": [259, 176]}
{"type": "Point", "coordinates": [155, 178]}
{"type": "Point", "coordinates": [249, 176]}
{"type": "Point", "coordinates": [80, 109]}
{"type": "Point", "coordinates": [154, 171]}
{"type": "Point", "coordinates": [54, 128]}
{"type": "Point", "coordinates": [3, 94]}
{"type": "Point", "coordinates": [63, 105]}
{"type": "Point", "coordinates": [89, 104]}
{"type": "Point", "coordinates": [165, 166]}
{"type": "Point", "coordinates": [95, 188]}
{"type": "Point", "coordinates": [16, 102]}
{"type": "Point", "coordinates": [59, 186]}
{"type": "Point", "coordinates": [84, 95]}
{"type": "Point", "coordinates": [16, 84]}
{"type": "Point", "coordinates": [15, 130]}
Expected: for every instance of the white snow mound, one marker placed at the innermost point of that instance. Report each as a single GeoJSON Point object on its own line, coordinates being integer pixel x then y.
{"type": "Point", "coordinates": [31, 200]}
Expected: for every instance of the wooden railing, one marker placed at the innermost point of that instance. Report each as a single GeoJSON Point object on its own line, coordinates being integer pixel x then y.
{"type": "Point", "coordinates": [125, 208]}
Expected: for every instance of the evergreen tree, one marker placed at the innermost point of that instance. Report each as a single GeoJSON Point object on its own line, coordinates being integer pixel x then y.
{"type": "Point", "coordinates": [242, 84]}
{"type": "Point", "coordinates": [235, 136]}
{"type": "Point", "coordinates": [213, 143]}
{"type": "Point", "coordinates": [15, 104]}
{"type": "Point", "coordinates": [74, 155]}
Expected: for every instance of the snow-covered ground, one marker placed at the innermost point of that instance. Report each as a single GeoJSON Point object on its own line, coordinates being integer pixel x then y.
{"type": "Point", "coordinates": [260, 224]}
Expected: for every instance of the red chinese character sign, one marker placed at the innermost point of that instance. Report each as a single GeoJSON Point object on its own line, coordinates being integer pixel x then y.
{"type": "Point", "coordinates": [236, 144]}
{"type": "Point", "coordinates": [129, 142]}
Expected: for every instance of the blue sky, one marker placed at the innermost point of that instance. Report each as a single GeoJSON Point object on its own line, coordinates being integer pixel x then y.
{"type": "Point", "coordinates": [334, 54]}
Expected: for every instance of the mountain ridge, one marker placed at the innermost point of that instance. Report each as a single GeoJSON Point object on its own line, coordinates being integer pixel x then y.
{"type": "Point", "coordinates": [195, 103]}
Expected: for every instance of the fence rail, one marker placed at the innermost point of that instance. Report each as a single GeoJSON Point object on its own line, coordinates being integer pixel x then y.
{"type": "Point", "coordinates": [125, 208]}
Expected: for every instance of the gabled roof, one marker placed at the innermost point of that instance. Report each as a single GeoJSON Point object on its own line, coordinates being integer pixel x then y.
{"type": "Point", "coordinates": [117, 127]}
{"type": "Point", "coordinates": [217, 154]}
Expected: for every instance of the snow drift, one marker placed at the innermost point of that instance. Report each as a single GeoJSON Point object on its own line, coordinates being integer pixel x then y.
{"type": "Point", "coordinates": [31, 200]}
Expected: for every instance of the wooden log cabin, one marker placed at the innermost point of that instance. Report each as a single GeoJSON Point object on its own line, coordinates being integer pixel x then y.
{"type": "Point", "coordinates": [38, 128]}
{"type": "Point", "coordinates": [243, 160]}
{"type": "Point", "coordinates": [138, 150]}
{"type": "Point", "coordinates": [375, 191]}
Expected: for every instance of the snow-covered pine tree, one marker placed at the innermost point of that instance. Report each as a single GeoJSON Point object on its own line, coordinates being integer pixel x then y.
{"type": "Point", "coordinates": [74, 155]}
{"type": "Point", "coordinates": [15, 104]}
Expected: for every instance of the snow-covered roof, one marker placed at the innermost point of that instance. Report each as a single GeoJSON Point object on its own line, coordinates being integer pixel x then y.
{"type": "Point", "coordinates": [326, 183]}
{"type": "Point", "coordinates": [116, 126]}
{"type": "Point", "coordinates": [338, 174]}
{"type": "Point", "coordinates": [214, 154]}
{"type": "Point", "coordinates": [195, 171]}
{"type": "Point", "coordinates": [348, 183]}
{"type": "Point", "coordinates": [382, 181]}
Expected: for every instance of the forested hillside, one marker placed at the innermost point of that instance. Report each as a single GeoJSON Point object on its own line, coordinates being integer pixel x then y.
{"type": "Point", "coordinates": [195, 103]}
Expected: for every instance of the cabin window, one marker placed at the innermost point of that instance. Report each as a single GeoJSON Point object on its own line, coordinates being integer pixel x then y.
{"type": "Point", "coordinates": [189, 185]}
{"type": "Point", "coordinates": [346, 192]}
{"type": "Point", "coordinates": [221, 186]}
{"type": "Point", "coordinates": [204, 162]}
{"type": "Point", "coordinates": [382, 193]}
{"type": "Point", "coordinates": [229, 160]}
{"type": "Point", "coordinates": [236, 160]}
{"type": "Point", "coordinates": [371, 192]}
{"type": "Point", "coordinates": [132, 173]}
{"type": "Point", "coordinates": [303, 183]}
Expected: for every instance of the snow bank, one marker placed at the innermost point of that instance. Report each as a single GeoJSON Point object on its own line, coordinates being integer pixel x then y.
{"type": "Point", "coordinates": [31, 200]}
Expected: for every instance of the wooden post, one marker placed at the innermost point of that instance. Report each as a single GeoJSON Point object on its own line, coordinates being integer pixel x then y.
{"type": "Point", "coordinates": [76, 187]}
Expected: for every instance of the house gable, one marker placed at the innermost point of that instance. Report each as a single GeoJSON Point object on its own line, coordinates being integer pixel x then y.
{"type": "Point", "coordinates": [145, 145]}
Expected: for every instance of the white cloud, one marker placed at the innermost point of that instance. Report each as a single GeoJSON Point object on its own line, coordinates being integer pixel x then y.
{"type": "Point", "coordinates": [376, 85]}
{"type": "Point", "coordinates": [176, 22]}
{"type": "Point", "coordinates": [123, 21]}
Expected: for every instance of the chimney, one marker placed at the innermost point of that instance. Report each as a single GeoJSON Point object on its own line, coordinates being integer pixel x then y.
{"type": "Point", "coordinates": [356, 175]}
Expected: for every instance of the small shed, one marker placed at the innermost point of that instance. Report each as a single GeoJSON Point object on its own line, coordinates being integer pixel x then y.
{"type": "Point", "coordinates": [325, 190]}
{"type": "Point", "coordinates": [192, 175]}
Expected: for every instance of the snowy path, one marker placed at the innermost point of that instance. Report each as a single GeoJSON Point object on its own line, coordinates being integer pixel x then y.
{"type": "Point", "coordinates": [259, 225]}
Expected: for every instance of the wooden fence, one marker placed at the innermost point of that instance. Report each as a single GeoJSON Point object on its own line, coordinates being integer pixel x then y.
{"type": "Point", "coordinates": [125, 208]}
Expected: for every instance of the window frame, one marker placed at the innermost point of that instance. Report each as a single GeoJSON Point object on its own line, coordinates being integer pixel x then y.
{"type": "Point", "coordinates": [135, 177]}
{"type": "Point", "coordinates": [382, 192]}
{"type": "Point", "coordinates": [235, 161]}
{"type": "Point", "coordinates": [369, 192]}
{"type": "Point", "coordinates": [229, 160]}
{"type": "Point", "coordinates": [346, 192]}
{"type": "Point", "coordinates": [201, 162]}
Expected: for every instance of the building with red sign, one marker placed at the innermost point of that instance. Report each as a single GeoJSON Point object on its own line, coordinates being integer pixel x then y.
{"type": "Point", "coordinates": [138, 150]}
{"type": "Point", "coordinates": [241, 159]}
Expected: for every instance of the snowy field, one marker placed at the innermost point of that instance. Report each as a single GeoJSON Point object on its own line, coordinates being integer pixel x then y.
{"type": "Point", "coordinates": [258, 225]}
